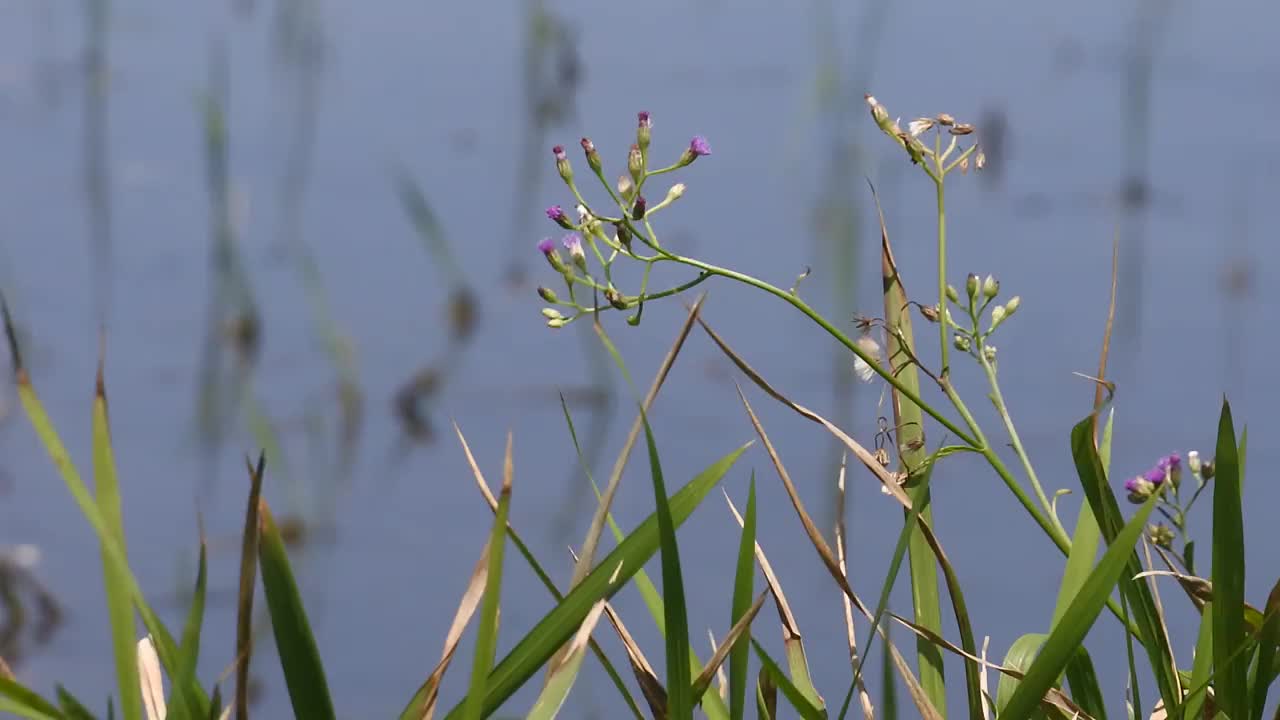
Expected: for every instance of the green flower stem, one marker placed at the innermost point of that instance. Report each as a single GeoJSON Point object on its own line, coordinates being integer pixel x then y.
{"type": "Point", "coordinates": [945, 344]}
{"type": "Point", "coordinates": [834, 332]}
{"type": "Point", "coordinates": [997, 398]}
{"type": "Point", "coordinates": [634, 301]}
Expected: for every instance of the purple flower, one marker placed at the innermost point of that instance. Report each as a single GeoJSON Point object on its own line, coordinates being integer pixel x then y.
{"type": "Point", "coordinates": [555, 212]}
{"type": "Point", "coordinates": [573, 244]}
{"type": "Point", "coordinates": [547, 246]}
{"type": "Point", "coordinates": [558, 151]}
{"type": "Point", "coordinates": [643, 117]}
{"type": "Point", "coordinates": [1168, 466]}
{"type": "Point", "coordinates": [699, 146]}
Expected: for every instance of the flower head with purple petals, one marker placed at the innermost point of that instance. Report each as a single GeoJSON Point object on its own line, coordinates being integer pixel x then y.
{"type": "Point", "coordinates": [558, 151]}
{"type": "Point", "coordinates": [699, 146]}
{"type": "Point", "coordinates": [546, 246]}
{"type": "Point", "coordinates": [556, 214]}
{"type": "Point", "coordinates": [644, 120]}
{"type": "Point", "coordinates": [573, 244]}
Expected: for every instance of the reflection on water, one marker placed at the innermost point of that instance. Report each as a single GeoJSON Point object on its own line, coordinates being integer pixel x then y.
{"type": "Point", "coordinates": [340, 308]}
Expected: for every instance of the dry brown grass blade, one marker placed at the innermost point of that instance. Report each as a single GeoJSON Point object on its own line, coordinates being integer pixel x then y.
{"type": "Point", "coordinates": [864, 698]}
{"type": "Point", "coordinates": [983, 686]}
{"type": "Point", "coordinates": [467, 606]}
{"type": "Point", "coordinates": [248, 581]}
{"type": "Point", "coordinates": [151, 679]}
{"type": "Point", "coordinates": [925, 707]}
{"type": "Point", "coordinates": [650, 685]}
{"type": "Point", "coordinates": [581, 639]}
{"type": "Point", "coordinates": [5, 671]}
{"type": "Point", "coordinates": [1159, 607]}
{"type": "Point", "coordinates": [888, 480]}
{"type": "Point", "coordinates": [722, 677]}
{"type": "Point", "coordinates": [722, 650]}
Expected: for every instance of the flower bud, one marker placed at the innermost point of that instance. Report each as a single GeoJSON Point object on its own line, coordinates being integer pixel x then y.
{"type": "Point", "coordinates": [1012, 306]}
{"type": "Point", "coordinates": [946, 119]}
{"type": "Point", "coordinates": [990, 287]}
{"type": "Point", "coordinates": [551, 313]}
{"type": "Point", "coordinates": [557, 323]}
{"type": "Point", "coordinates": [952, 294]}
{"type": "Point", "coordinates": [573, 244]}
{"type": "Point", "coordinates": [637, 210]}
{"type": "Point", "coordinates": [548, 248]}
{"type": "Point", "coordinates": [635, 164]}
{"type": "Point", "coordinates": [615, 298]}
{"type": "Point", "coordinates": [623, 234]}
{"type": "Point", "coordinates": [1206, 470]}
{"type": "Point", "coordinates": [989, 353]}
{"type": "Point", "coordinates": [1139, 489]}
{"type": "Point", "coordinates": [548, 294]}
{"type": "Point", "coordinates": [1161, 536]}
{"type": "Point", "coordinates": [644, 129]}
{"type": "Point", "coordinates": [1193, 463]}
{"type": "Point", "coordinates": [878, 113]}
{"type": "Point", "coordinates": [962, 343]}
{"type": "Point", "coordinates": [626, 188]}
{"type": "Point", "coordinates": [971, 286]}
{"type": "Point", "coordinates": [593, 157]}
{"type": "Point", "coordinates": [675, 193]}
{"type": "Point", "coordinates": [558, 216]}
{"type": "Point", "coordinates": [698, 147]}
{"type": "Point", "coordinates": [998, 314]}
{"type": "Point", "coordinates": [930, 312]}
{"type": "Point", "coordinates": [562, 164]}
{"type": "Point", "coordinates": [961, 129]}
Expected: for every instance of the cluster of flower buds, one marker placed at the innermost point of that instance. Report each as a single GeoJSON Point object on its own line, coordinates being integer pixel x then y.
{"type": "Point", "coordinates": [1167, 469]}
{"type": "Point", "coordinates": [909, 139]}
{"type": "Point", "coordinates": [600, 229]}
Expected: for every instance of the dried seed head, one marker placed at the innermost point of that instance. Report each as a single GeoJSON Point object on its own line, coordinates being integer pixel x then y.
{"type": "Point", "coordinates": [930, 312]}
{"type": "Point", "coordinates": [961, 129]}
{"type": "Point", "coordinates": [980, 159]}
{"type": "Point", "coordinates": [882, 456]}
{"type": "Point", "coordinates": [964, 165]}
{"type": "Point", "coordinates": [919, 125]}
{"type": "Point", "coordinates": [946, 119]}
{"type": "Point", "coordinates": [625, 186]}
{"type": "Point", "coordinates": [868, 345]}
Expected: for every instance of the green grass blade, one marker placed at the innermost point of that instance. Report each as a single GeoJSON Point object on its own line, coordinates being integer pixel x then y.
{"type": "Point", "coordinates": [487, 631]}
{"type": "Point", "coordinates": [743, 589]}
{"type": "Point", "coordinates": [613, 572]}
{"type": "Point", "coordinates": [189, 647]}
{"type": "Point", "coordinates": [560, 679]}
{"type": "Point", "coordinates": [1265, 668]}
{"type": "Point", "coordinates": [1106, 510]}
{"type": "Point", "coordinates": [1085, 690]}
{"type": "Point", "coordinates": [1063, 641]}
{"type": "Point", "coordinates": [73, 709]}
{"type": "Point", "coordinates": [1230, 684]}
{"type": "Point", "coordinates": [908, 419]}
{"type": "Point", "coordinates": [766, 696]}
{"type": "Point", "coordinates": [802, 704]}
{"type": "Point", "coordinates": [1201, 667]}
{"type": "Point", "coordinates": [299, 656]}
{"type": "Point", "coordinates": [679, 679]}
{"type": "Point", "coordinates": [888, 686]}
{"type": "Point", "coordinates": [1085, 539]}
{"type": "Point", "coordinates": [190, 695]}
{"type": "Point", "coordinates": [124, 632]}
{"type": "Point", "coordinates": [26, 703]}
{"type": "Point", "coordinates": [248, 581]}
{"type": "Point", "coordinates": [1020, 656]}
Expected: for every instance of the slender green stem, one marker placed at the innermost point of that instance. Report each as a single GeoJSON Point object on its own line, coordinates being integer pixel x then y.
{"type": "Point", "coordinates": [943, 328]}
{"type": "Point", "coordinates": [834, 332]}
{"type": "Point", "coordinates": [997, 398]}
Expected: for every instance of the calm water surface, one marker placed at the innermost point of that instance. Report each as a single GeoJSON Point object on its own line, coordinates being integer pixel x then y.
{"type": "Point", "coordinates": [327, 101]}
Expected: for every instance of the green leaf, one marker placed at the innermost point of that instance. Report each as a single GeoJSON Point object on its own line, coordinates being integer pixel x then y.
{"type": "Point", "coordinates": [1231, 673]}
{"type": "Point", "coordinates": [1085, 690]}
{"type": "Point", "coordinates": [1020, 656]}
{"type": "Point", "coordinates": [189, 649]}
{"type": "Point", "coordinates": [299, 656]}
{"type": "Point", "coordinates": [487, 632]}
{"type": "Point", "coordinates": [802, 704]}
{"type": "Point", "coordinates": [679, 679]}
{"type": "Point", "coordinates": [1069, 634]}
{"type": "Point", "coordinates": [1264, 670]}
{"type": "Point", "coordinates": [1106, 510]}
{"type": "Point", "coordinates": [72, 708]}
{"type": "Point", "coordinates": [1202, 666]}
{"type": "Point", "coordinates": [613, 572]}
{"type": "Point", "coordinates": [1085, 539]}
{"type": "Point", "coordinates": [743, 590]}
{"type": "Point", "coordinates": [124, 633]}
{"type": "Point", "coordinates": [191, 697]}
{"type": "Point", "coordinates": [18, 699]}
{"type": "Point", "coordinates": [561, 676]}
